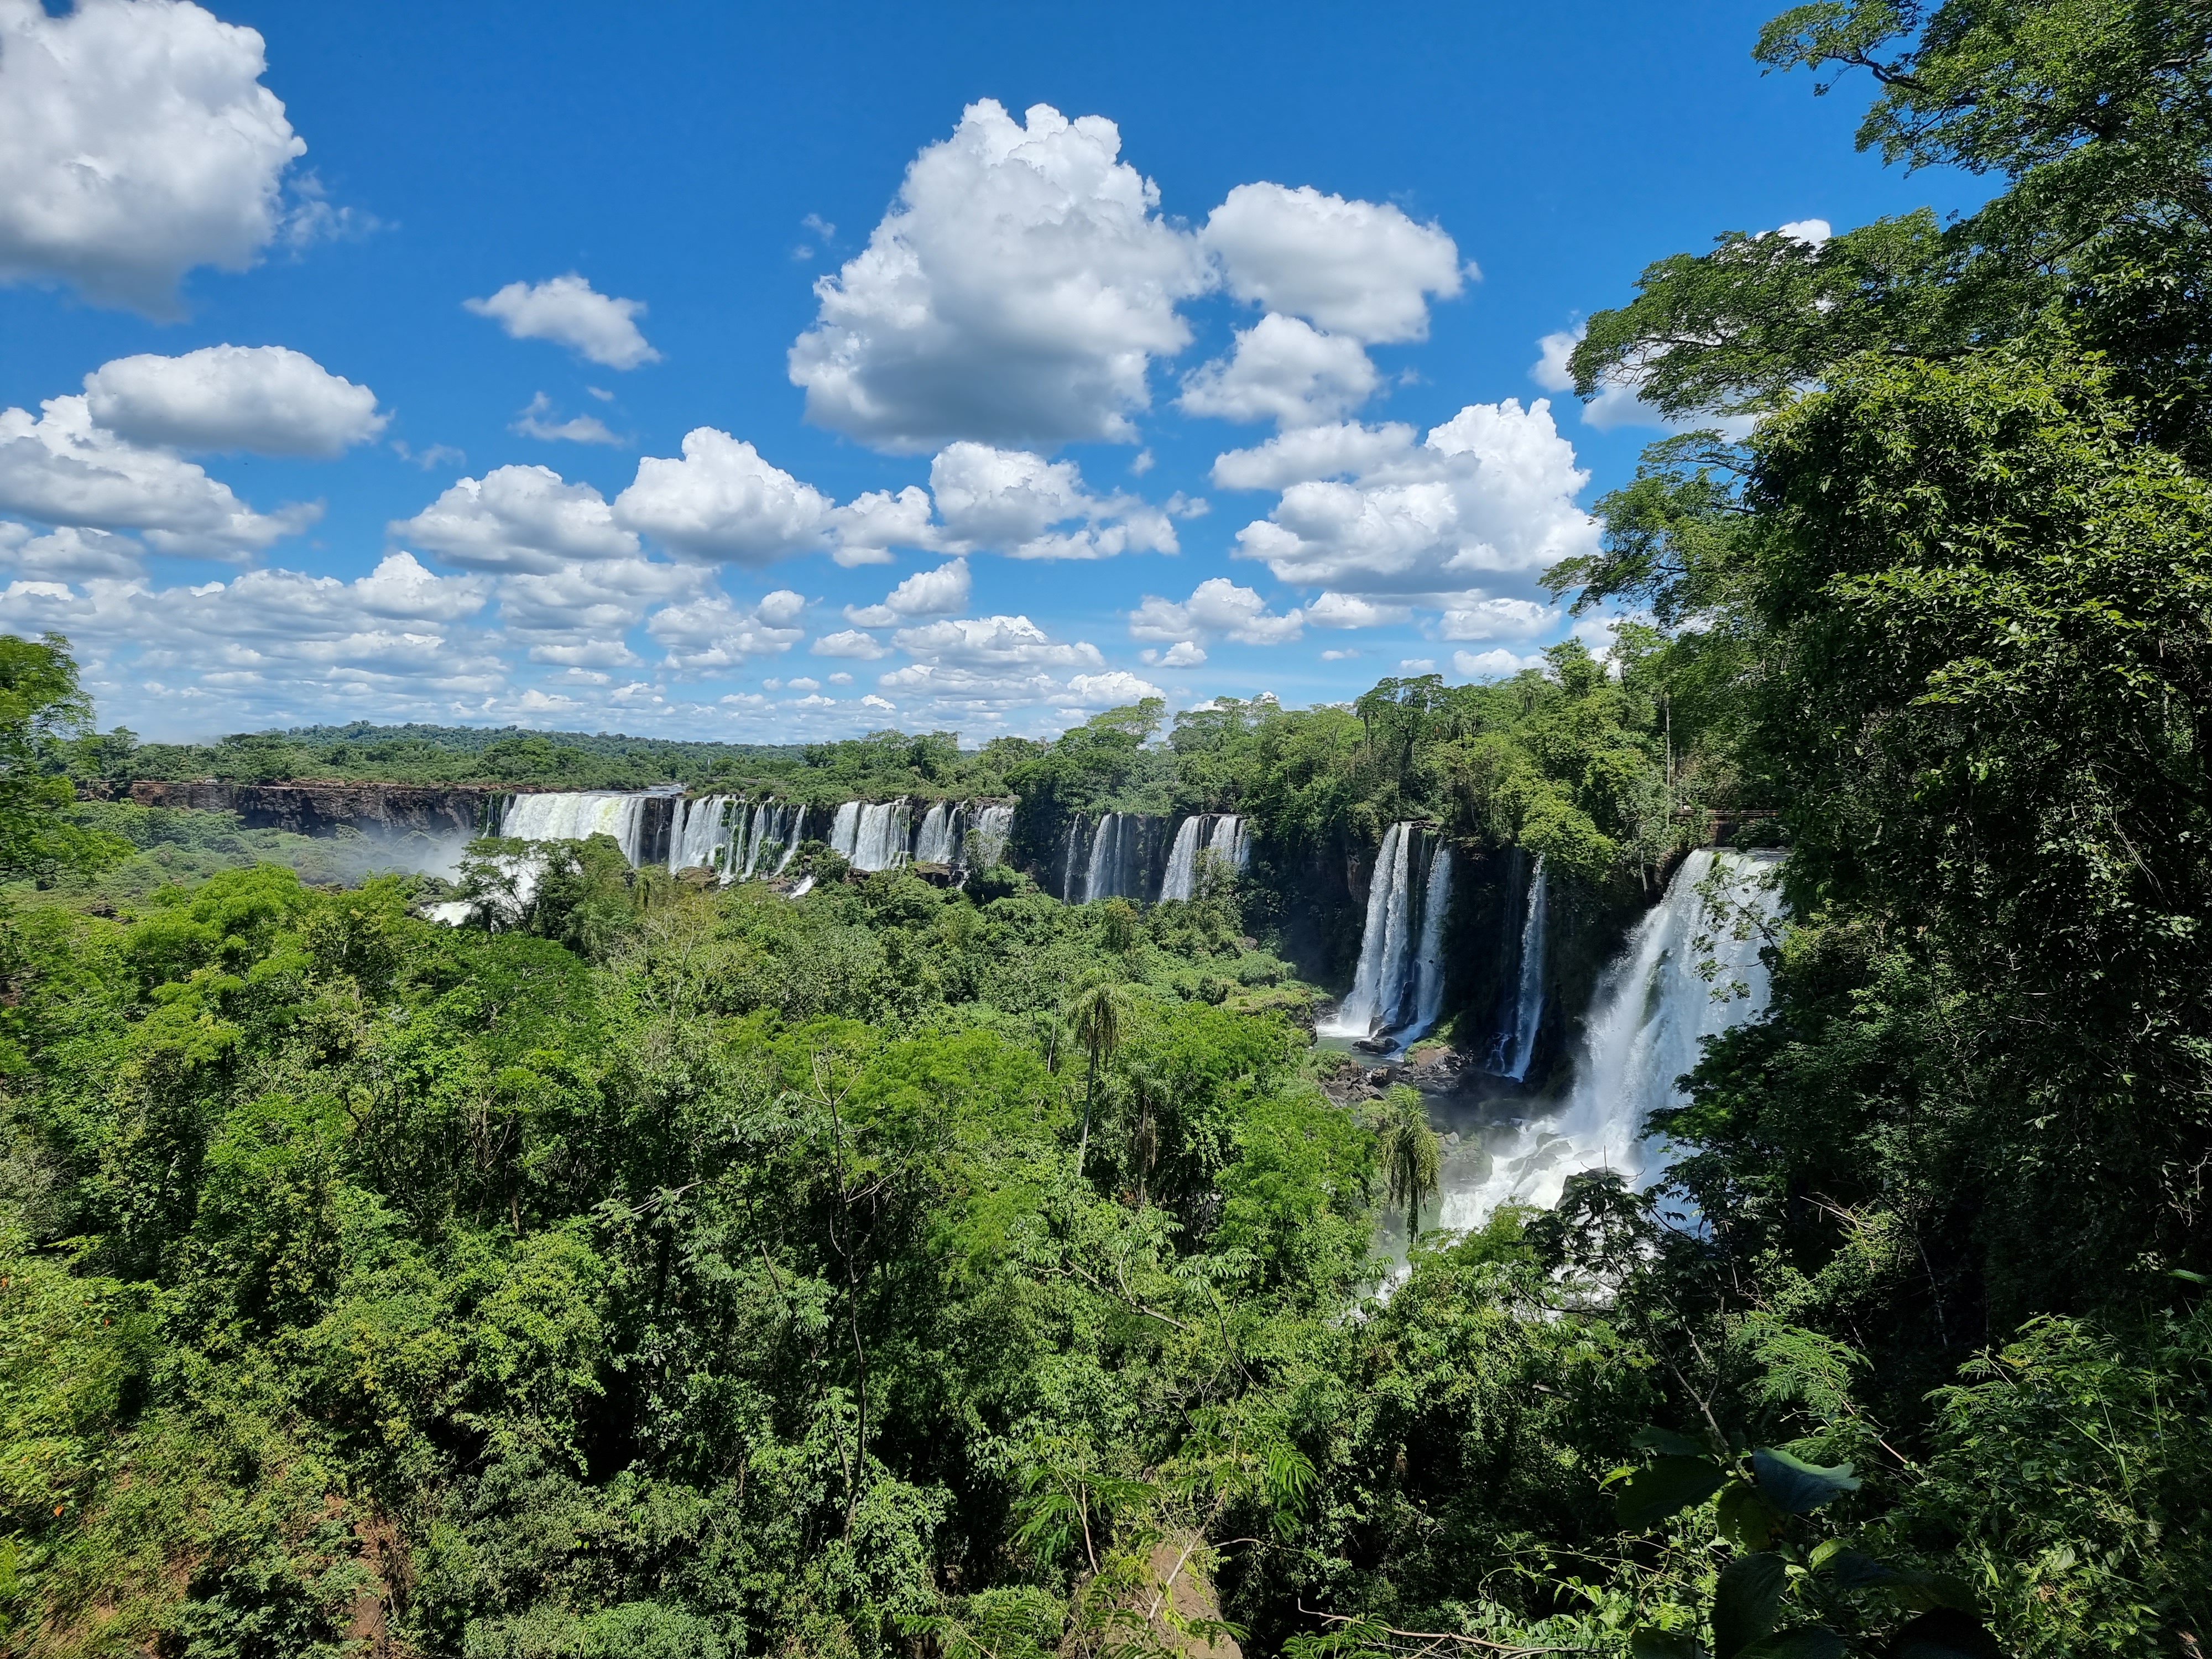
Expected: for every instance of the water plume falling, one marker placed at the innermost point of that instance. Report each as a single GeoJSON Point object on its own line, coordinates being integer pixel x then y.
{"type": "Point", "coordinates": [699, 839]}
{"type": "Point", "coordinates": [1517, 1045]}
{"type": "Point", "coordinates": [1652, 1006]}
{"type": "Point", "coordinates": [1379, 976]}
{"type": "Point", "coordinates": [985, 843]}
{"type": "Point", "coordinates": [933, 843]}
{"type": "Point", "coordinates": [1183, 860]}
{"type": "Point", "coordinates": [1429, 959]}
{"type": "Point", "coordinates": [577, 816]}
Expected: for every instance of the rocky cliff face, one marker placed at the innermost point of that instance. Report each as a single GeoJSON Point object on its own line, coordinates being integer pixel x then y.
{"type": "Point", "coordinates": [323, 808]}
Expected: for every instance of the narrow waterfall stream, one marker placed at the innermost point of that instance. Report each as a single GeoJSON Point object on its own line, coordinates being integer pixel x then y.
{"type": "Point", "coordinates": [1230, 841]}
{"type": "Point", "coordinates": [1651, 1006]}
{"type": "Point", "coordinates": [934, 841]}
{"type": "Point", "coordinates": [1517, 1043]}
{"type": "Point", "coordinates": [1429, 961]}
{"type": "Point", "coordinates": [1398, 989]}
{"type": "Point", "coordinates": [1183, 860]}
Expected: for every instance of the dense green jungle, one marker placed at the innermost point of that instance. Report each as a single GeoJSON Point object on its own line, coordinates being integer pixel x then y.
{"type": "Point", "coordinates": [691, 1270]}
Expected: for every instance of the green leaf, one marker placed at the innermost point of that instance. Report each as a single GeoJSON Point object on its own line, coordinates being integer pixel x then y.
{"type": "Point", "coordinates": [1795, 1486]}
{"type": "Point", "coordinates": [1746, 1601]}
{"type": "Point", "coordinates": [1666, 1440]}
{"type": "Point", "coordinates": [1747, 1520]}
{"type": "Point", "coordinates": [1928, 1591]}
{"type": "Point", "coordinates": [1651, 1643]}
{"type": "Point", "coordinates": [1943, 1633]}
{"type": "Point", "coordinates": [1803, 1642]}
{"type": "Point", "coordinates": [1670, 1485]}
{"type": "Point", "coordinates": [1852, 1571]}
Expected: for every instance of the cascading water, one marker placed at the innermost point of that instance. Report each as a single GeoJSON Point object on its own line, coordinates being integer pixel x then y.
{"type": "Point", "coordinates": [1221, 835]}
{"type": "Point", "coordinates": [1651, 1008]}
{"type": "Point", "coordinates": [1183, 860]}
{"type": "Point", "coordinates": [794, 831]}
{"type": "Point", "coordinates": [578, 816]}
{"type": "Point", "coordinates": [845, 828]}
{"type": "Point", "coordinates": [699, 839]}
{"type": "Point", "coordinates": [1377, 979]}
{"type": "Point", "coordinates": [933, 843]}
{"type": "Point", "coordinates": [1518, 1045]}
{"type": "Point", "coordinates": [879, 837]}
{"type": "Point", "coordinates": [1115, 867]}
{"type": "Point", "coordinates": [1398, 989]}
{"type": "Point", "coordinates": [1232, 841]}
{"type": "Point", "coordinates": [1429, 961]}
{"type": "Point", "coordinates": [985, 843]}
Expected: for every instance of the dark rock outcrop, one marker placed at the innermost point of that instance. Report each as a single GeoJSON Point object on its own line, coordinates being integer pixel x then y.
{"type": "Point", "coordinates": [323, 808]}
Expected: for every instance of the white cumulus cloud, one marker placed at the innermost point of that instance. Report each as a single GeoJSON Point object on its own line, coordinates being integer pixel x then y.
{"type": "Point", "coordinates": [1283, 370]}
{"type": "Point", "coordinates": [578, 615]}
{"type": "Point", "coordinates": [1475, 617]}
{"type": "Point", "coordinates": [276, 643]}
{"type": "Point", "coordinates": [1363, 269]}
{"type": "Point", "coordinates": [715, 634]}
{"type": "Point", "coordinates": [63, 469]}
{"type": "Point", "coordinates": [850, 642]}
{"type": "Point", "coordinates": [1110, 689]}
{"type": "Point", "coordinates": [993, 642]}
{"type": "Point", "coordinates": [1216, 606]}
{"type": "Point", "coordinates": [520, 519]}
{"type": "Point", "coordinates": [1183, 653]}
{"type": "Point", "coordinates": [536, 421]}
{"type": "Point", "coordinates": [68, 555]}
{"type": "Point", "coordinates": [1493, 665]}
{"type": "Point", "coordinates": [865, 529]}
{"type": "Point", "coordinates": [270, 399]}
{"type": "Point", "coordinates": [1487, 497]}
{"type": "Point", "coordinates": [938, 593]}
{"type": "Point", "coordinates": [568, 311]}
{"type": "Point", "coordinates": [1016, 292]}
{"type": "Point", "coordinates": [1014, 501]}
{"type": "Point", "coordinates": [722, 501]}
{"type": "Point", "coordinates": [135, 142]}
{"type": "Point", "coordinates": [1335, 609]}
{"type": "Point", "coordinates": [1317, 451]}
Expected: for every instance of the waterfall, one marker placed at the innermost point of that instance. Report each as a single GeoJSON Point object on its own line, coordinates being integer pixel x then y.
{"type": "Point", "coordinates": [698, 839]}
{"type": "Point", "coordinates": [1115, 867]}
{"type": "Point", "coordinates": [1398, 989]}
{"type": "Point", "coordinates": [1097, 874]}
{"type": "Point", "coordinates": [845, 828]}
{"type": "Point", "coordinates": [1357, 1014]}
{"type": "Point", "coordinates": [1518, 1045]}
{"type": "Point", "coordinates": [986, 844]}
{"type": "Point", "coordinates": [1652, 1007]}
{"type": "Point", "coordinates": [877, 839]}
{"type": "Point", "coordinates": [1429, 960]}
{"type": "Point", "coordinates": [1231, 840]}
{"type": "Point", "coordinates": [933, 843]}
{"type": "Point", "coordinates": [577, 816]}
{"type": "Point", "coordinates": [794, 831]}
{"type": "Point", "coordinates": [1183, 860]}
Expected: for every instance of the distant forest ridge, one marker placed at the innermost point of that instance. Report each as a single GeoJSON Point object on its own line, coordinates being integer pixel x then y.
{"type": "Point", "coordinates": [471, 739]}
{"type": "Point", "coordinates": [514, 756]}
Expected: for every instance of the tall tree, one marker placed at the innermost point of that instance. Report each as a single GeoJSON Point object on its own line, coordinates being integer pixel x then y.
{"type": "Point", "coordinates": [42, 707]}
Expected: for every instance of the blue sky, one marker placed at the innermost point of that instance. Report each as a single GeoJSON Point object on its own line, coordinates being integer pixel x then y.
{"type": "Point", "coordinates": [1196, 349]}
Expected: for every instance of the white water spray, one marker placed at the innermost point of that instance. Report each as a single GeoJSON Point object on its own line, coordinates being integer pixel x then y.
{"type": "Point", "coordinates": [1650, 1008]}
{"type": "Point", "coordinates": [1183, 860]}
{"type": "Point", "coordinates": [578, 816]}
